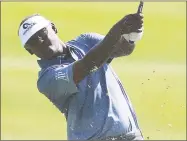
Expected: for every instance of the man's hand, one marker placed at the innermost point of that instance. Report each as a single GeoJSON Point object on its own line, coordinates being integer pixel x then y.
{"type": "Point", "coordinates": [132, 23]}
{"type": "Point", "coordinates": [128, 24]}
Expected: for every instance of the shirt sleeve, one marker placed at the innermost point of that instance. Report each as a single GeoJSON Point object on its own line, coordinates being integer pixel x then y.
{"type": "Point", "coordinates": [57, 83]}
{"type": "Point", "coordinates": [90, 39]}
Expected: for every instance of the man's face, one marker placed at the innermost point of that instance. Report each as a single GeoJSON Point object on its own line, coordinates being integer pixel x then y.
{"type": "Point", "coordinates": [44, 43]}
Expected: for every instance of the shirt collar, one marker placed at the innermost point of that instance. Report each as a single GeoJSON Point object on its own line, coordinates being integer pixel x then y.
{"type": "Point", "coordinates": [74, 52]}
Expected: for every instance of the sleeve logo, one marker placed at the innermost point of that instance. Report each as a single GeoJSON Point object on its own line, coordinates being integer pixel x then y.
{"type": "Point", "coordinates": [61, 75]}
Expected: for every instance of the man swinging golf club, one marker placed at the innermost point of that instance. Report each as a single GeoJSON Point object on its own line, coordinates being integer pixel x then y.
{"type": "Point", "coordinates": [77, 78]}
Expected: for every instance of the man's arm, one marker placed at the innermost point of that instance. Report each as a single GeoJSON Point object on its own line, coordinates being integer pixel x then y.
{"type": "Point", "coordinates": [99, 54]}
{"type": "Point", "coordinates": [123, 48]}
{"type": "Point", "coordinates": [91, 40]}
{"type": "Point", "coordinates": [57, 84]}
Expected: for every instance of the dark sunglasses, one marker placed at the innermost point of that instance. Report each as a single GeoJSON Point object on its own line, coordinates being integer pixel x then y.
{"type": "Point", "coordinates": [36, 39]}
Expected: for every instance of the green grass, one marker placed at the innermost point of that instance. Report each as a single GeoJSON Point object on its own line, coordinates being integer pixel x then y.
{"type": "Point", "coordinates": [160, 56]}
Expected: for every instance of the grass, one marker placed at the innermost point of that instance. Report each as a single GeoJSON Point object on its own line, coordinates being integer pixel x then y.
{"type": "Point", "coordinates": [154, 75]}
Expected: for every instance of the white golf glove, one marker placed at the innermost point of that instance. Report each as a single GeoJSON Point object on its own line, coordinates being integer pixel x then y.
{"type": "Point", "coordinates": [133, 36]}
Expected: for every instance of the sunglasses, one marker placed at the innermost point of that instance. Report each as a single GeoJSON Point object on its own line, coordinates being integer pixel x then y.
{"type": "Point", "coordinates": [37, 39]}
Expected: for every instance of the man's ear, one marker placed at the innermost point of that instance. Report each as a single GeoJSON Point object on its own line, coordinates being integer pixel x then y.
{"type": "Point", "coordinates": [54, 28]}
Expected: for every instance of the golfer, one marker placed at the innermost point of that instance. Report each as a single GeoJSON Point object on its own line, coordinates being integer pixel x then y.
{"type": "Point", "coordinates": [77, 78]}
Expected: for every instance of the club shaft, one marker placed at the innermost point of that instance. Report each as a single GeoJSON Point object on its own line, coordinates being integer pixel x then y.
{"type": "Point", "coordinates": [140, 7]}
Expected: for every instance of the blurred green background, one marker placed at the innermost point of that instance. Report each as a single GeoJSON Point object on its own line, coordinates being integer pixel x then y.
{"type": "Point", "coordinates": [154, 75]}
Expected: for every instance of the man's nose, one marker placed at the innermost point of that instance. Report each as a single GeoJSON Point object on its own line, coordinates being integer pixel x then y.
{"type": "Point", "coordinates": [41, 40]}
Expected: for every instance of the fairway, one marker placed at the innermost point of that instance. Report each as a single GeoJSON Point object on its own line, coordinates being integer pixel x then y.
{"type": "Point", "coordinates": [154, 75]}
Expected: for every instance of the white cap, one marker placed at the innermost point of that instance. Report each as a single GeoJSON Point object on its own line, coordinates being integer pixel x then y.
{"type": "Point", "coordinates": [31, 26]}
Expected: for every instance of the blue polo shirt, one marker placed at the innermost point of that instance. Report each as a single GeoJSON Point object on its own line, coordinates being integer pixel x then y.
{"type": "Point", "coordinates": [95, 108]}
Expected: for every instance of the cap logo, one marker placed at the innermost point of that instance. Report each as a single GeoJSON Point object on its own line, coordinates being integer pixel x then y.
{"type": "Point", "coordinates": [31, 26]}
{"type": "Point", "coordinates": [27, 27]}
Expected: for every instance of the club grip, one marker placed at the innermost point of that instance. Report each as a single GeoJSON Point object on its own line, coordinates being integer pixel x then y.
{"type": "Point", "coordinates": [140, 7]}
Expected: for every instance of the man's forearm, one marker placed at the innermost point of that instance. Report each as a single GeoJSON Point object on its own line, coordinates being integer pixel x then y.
{"type": "Point", "coordinates": [98, 55]}
{"type": "Point", "coordinates": [93, 60]}
{"type": "Point", "coordinates": [123, 48]}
